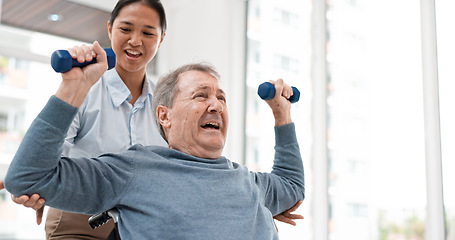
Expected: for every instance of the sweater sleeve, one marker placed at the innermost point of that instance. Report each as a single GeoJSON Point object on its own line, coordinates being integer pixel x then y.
{"type": "Point", "coordinates": [78, 185]}
{"type": "Point", "coordinates": [286, 184]}
{"type": "Point", "coordinates": [71, 134]}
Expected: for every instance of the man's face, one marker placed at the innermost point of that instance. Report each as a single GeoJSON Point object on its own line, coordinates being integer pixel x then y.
{"type": "Point", "coordinates": [197, 123]}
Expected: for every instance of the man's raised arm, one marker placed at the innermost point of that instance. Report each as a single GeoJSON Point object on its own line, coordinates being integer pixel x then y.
{"type": "Point", "coordinates": [36, 167]}
{"type": "Point", "coordinates": [285, 186]}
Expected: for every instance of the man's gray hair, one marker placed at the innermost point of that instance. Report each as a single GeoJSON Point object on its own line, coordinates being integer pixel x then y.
{"type": "Point", "coordinates": [166, 88]}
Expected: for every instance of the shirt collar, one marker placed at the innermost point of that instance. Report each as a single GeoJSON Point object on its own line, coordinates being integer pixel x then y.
{"type": "Point", "coordinates": [120, 93]}
{"type": "Point", "coordinates": [147, 91]}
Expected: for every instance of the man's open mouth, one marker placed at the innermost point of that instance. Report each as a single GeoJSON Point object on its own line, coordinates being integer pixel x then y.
{"type": "Point", "coordinates": [211, 126]}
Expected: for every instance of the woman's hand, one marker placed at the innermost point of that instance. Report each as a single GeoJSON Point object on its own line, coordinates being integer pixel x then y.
{"type": "Point", "coordinates": [77, 82]}
{"type": "Point", "coordinates": [35, 202]}
{"type": "Point", "coordinates": [288, 216]}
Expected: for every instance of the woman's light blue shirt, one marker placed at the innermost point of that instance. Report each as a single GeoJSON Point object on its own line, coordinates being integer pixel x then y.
{"type": "Point", "coordinates": [107, 122]}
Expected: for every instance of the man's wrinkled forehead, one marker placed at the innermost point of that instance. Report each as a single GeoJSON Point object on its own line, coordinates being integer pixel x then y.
{"type": "Point", "coordinates": [192, 75]}
{"type": "Point", "coordinates": [207, 87]}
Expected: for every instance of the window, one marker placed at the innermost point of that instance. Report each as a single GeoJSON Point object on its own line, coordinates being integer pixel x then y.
{"type": "Point", "coordinates": [3, 68]}
{"type": "Point", "coordinates": [3, 122]}
{"type": "Point", "coordinates": [25, 87]}
{"type": "Point", "coordinates": [286, 17]}
{"type": "Point", "coordinates": [2, 196]}
{"type": "Point", "coordinates": [357, 210]}
{"type": "Point", "coordinates": [375, 132]}
{"type": "Point", "coordinates": [446, 53]}
{"type": "Point", "coordinates": [286, 63]}
{"type": "Point", "coordinates": [376, 139]}
{"type": "Point", "coordinates": [281, 53]}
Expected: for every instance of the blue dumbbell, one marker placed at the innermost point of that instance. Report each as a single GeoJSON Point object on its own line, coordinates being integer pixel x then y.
{"type": "Point", "coordinates": [62, 61]}
{"type": "Point", "coordinates": [267, 91]}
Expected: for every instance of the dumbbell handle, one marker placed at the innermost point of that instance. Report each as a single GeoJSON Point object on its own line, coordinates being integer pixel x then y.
{"type": "Point", "coordinates": [61, 60]}
{"type": "Point", "coordinates": [267, 91]}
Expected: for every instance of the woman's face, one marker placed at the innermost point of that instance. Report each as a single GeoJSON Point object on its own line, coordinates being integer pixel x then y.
{"type": "Point", "coordinates": [135, 36]}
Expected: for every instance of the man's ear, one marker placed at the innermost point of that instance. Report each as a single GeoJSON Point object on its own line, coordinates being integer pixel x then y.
{"type": "Point", "coordinates": [162, 115]}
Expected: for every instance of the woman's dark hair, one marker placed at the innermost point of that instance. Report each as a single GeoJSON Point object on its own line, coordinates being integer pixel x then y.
{"type": "Point", "coordinates": [155, 4]}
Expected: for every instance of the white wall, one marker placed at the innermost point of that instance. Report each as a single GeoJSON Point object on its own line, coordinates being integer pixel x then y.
{"type": "Point", "coordinates": [211, 31]}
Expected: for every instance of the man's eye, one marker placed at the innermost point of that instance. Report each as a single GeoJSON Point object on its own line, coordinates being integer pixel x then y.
{"type": "Point", "coordinates": [125, 29]}
{"type": "Point", "coordinates": [148, 34]}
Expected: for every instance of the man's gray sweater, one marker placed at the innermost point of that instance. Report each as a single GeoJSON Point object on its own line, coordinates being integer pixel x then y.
{"type": "Point", "coordinates": [160, 193]}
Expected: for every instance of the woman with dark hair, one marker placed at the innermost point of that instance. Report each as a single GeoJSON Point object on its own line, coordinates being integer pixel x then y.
{"type": "Point", "coordinates": [117, 112]}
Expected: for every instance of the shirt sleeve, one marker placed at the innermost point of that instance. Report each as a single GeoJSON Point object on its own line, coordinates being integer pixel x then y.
{"type": "Point", "coordinates": [79, 185]}
{"type": "Point", "coordinates": [285, 185]}
{"type": "Point", "coordinates": [71, 135]}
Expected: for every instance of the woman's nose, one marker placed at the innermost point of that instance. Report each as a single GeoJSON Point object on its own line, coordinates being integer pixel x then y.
{"type": "Point", "coordinates": [135, 40]}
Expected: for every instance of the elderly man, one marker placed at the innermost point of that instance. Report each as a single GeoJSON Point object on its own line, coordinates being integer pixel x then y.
{"type": "Point", "coordinates": [185, 191]}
